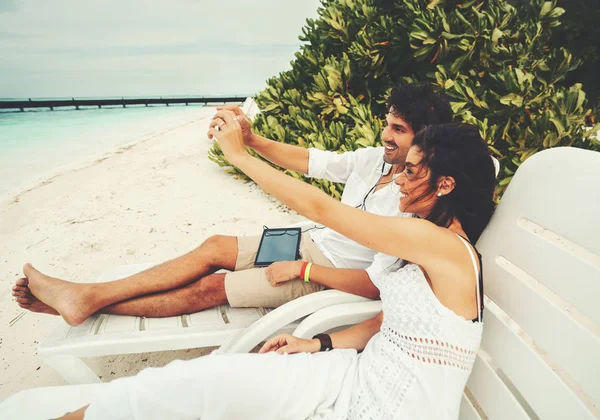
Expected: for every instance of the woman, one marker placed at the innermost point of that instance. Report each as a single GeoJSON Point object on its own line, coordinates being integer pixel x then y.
{"type": "Point", "coordinates": [417, 354]}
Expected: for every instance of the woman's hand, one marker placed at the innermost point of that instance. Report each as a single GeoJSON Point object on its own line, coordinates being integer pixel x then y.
{"type": "Point", "coordinates": [283, 271]}
{"type": "Point", "coordinates": [241, 118]}
{"type": "Point", "coordinates": [228, 135]}
{"type": "Point", "coordinates": [288, 344]}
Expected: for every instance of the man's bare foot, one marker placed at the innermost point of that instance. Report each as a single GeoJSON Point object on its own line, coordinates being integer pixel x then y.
{"type": "Point", "coordinates": [26, 300]}
{"type": "Point", "coordinates": [71, 300]}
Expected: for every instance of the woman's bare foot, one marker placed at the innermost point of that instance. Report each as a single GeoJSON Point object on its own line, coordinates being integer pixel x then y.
{"type": "Point", "coordinates": [26, 300]}
{"type": "Point", "coordinates": [73, 301]}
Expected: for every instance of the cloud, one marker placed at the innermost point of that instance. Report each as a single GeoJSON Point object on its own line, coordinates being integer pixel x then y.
{"type": "Point", "coordinates": [51, 47]}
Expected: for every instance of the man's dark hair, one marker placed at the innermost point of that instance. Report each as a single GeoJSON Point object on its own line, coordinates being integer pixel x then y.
{"type": "Point", "coordinates": [420, 105]}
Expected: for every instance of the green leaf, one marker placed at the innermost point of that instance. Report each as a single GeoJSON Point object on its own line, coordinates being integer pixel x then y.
{"type": "Point", "coordinates": [364, 142]}
{"type": "Point", "coordinates": [496, 35]}
{"type": "Point", "coordinates": [512, 99]}
{"type": "Point", "coordinates": [270, 107]}
{"type": "Point", "coordinates": [549, 141]}
{"type": "Point", "coordinates": [457, 106]}
{"type": "Point", "coordinates": [559, 126]}
{"type": "Point", "coordinates": [448, 35]}
{"type": "Point", "coordinates": [520, 76]}
{"type": "Point", "coordinates": [546, 8]}
{"type": "Point", "coordinates": [580, 98]}
{"type": "Point", "coordinates": [433, 3]}
{"type": "Point", "coordinates": [420, 35]}
{"type": "Point", "coordinates": [556, 12]}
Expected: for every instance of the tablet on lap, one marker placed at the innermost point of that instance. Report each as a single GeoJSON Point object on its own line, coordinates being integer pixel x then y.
{"type": "Point", "coordinates": [281, 244]}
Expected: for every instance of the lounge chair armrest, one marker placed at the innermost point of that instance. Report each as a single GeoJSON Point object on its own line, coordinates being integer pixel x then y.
{"type": "Point", "coordinates": [334, 317]}
{"type": "Point", "coordinates": [265, 327]}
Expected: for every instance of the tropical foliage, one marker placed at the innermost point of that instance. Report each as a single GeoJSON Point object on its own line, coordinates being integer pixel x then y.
{"type": "Point", "coordinates": [496, 59]}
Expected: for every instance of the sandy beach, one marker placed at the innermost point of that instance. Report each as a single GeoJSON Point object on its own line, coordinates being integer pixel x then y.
{"type": "Point", "coordinates": [147, 202]}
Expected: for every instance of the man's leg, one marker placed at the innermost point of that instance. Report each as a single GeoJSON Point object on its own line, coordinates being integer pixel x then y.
{"type": "Point", "coordinates": [205, 293]}
{"type": "Point", "coordinates": [250, 287]}
{"type": "Point", "coordinates": [75, 302]}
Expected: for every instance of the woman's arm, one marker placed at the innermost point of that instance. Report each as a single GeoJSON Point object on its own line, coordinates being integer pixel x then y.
{"type": "Point", "coordinates": [347, 280]}
{"type": "Point", "coordinates": [415, 240]}
{"type": "Point", "coordinates": [358, 336]}
{"type": "Point", "coordinates": [407, 238]}
{"type": "Point", "coordinates": [355, 337]}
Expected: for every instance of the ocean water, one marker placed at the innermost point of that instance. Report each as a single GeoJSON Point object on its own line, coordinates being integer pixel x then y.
{"type": "Point", "coordinates": [36, 144]}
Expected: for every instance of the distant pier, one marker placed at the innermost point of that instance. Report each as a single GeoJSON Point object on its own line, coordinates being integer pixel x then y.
{"type": "Point", "coordinates": [77, 103]}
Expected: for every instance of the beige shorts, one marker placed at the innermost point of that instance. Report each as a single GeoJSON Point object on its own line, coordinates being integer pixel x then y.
{"type": "Point", "coordinates": [248, 286]}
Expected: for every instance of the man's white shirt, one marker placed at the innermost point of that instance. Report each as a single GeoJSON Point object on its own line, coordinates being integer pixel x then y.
{"type": "Point", "coordinates": [360, 171]}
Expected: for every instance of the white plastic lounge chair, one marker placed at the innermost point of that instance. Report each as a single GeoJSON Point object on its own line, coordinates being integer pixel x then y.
{"type": "Point", "coordinates": [539, 354]}
{"type": "Point", "coordinates": [103, 335]}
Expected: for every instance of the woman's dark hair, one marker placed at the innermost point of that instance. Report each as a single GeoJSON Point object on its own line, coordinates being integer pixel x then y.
{"type": "Point", "coordinates": [420, 105]}
{"type": "Point", "coordinates": [458, 151]}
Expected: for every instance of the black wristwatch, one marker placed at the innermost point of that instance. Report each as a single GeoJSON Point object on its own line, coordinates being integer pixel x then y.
{"type": "Point", "coordinates": [325, 340]}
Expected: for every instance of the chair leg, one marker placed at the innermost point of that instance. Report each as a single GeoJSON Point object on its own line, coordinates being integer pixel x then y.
{"type": "Point", "coordinates": [71, 368]}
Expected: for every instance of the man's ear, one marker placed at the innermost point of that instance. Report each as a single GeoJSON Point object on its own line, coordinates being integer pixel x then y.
{"type": "Point", "coordinates": [445, 185]}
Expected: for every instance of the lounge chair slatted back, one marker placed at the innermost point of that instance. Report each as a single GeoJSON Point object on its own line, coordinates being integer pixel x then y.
{"type": "Point", "coordinates": [542, 266]}
{"type": "Point", "coordinates": [541, 341]}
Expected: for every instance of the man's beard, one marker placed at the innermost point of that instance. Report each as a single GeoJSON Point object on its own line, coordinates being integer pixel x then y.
{"type": "Point", "coordinates": [397, 160]}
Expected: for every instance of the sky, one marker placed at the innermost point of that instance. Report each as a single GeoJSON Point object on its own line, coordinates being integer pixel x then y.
{"type": "Point", "coordinates": [82, 48]}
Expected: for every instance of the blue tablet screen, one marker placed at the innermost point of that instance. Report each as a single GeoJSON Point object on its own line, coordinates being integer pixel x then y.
{"type": "Point", "coordinates": [278, 245]}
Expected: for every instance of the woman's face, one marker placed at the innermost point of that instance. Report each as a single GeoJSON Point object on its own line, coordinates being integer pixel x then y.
{"type": "Point", "coordinates": [414, 185]}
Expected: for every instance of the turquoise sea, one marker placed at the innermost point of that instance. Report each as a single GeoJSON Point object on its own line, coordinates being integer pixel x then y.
{"type": "Point", "coordinates": [35, 144]}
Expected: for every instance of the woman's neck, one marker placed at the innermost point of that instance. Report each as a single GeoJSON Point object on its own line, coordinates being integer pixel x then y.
{"type": "Point", "coordinates": [454, 227]}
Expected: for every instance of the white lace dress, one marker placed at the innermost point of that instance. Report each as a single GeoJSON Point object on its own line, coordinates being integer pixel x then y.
{"type": "Point", "coordinates": [416, 367]}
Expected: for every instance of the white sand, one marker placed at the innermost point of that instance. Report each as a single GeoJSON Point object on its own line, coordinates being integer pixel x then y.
{"type": "Point", "coordinates": [144, 203]}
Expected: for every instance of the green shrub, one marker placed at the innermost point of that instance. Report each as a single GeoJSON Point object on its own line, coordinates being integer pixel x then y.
{"type": "Point", "coordinates": [496, 59]}
{"type": "Point", "coordinates": [580, 33]}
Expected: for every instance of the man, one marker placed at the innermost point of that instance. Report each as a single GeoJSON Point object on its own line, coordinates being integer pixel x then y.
{"type": "Point", "coordinates": [190, 283]}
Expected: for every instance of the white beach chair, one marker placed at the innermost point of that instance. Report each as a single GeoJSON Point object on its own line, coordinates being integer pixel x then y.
{"type": "Point", "coordinates": [103, 335]}
{"type": "Point", "coordinates": [539, 354]}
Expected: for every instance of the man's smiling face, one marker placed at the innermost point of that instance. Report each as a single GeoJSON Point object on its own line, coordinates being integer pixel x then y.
{"type": "Point", "coordinates": [397, 137]}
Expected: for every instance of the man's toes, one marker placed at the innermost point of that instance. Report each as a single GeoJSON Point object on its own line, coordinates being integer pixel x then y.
{"type": "Point", "coordinates": [20, 293]}
{"type": "Point", "coordinates": [23, 282]}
